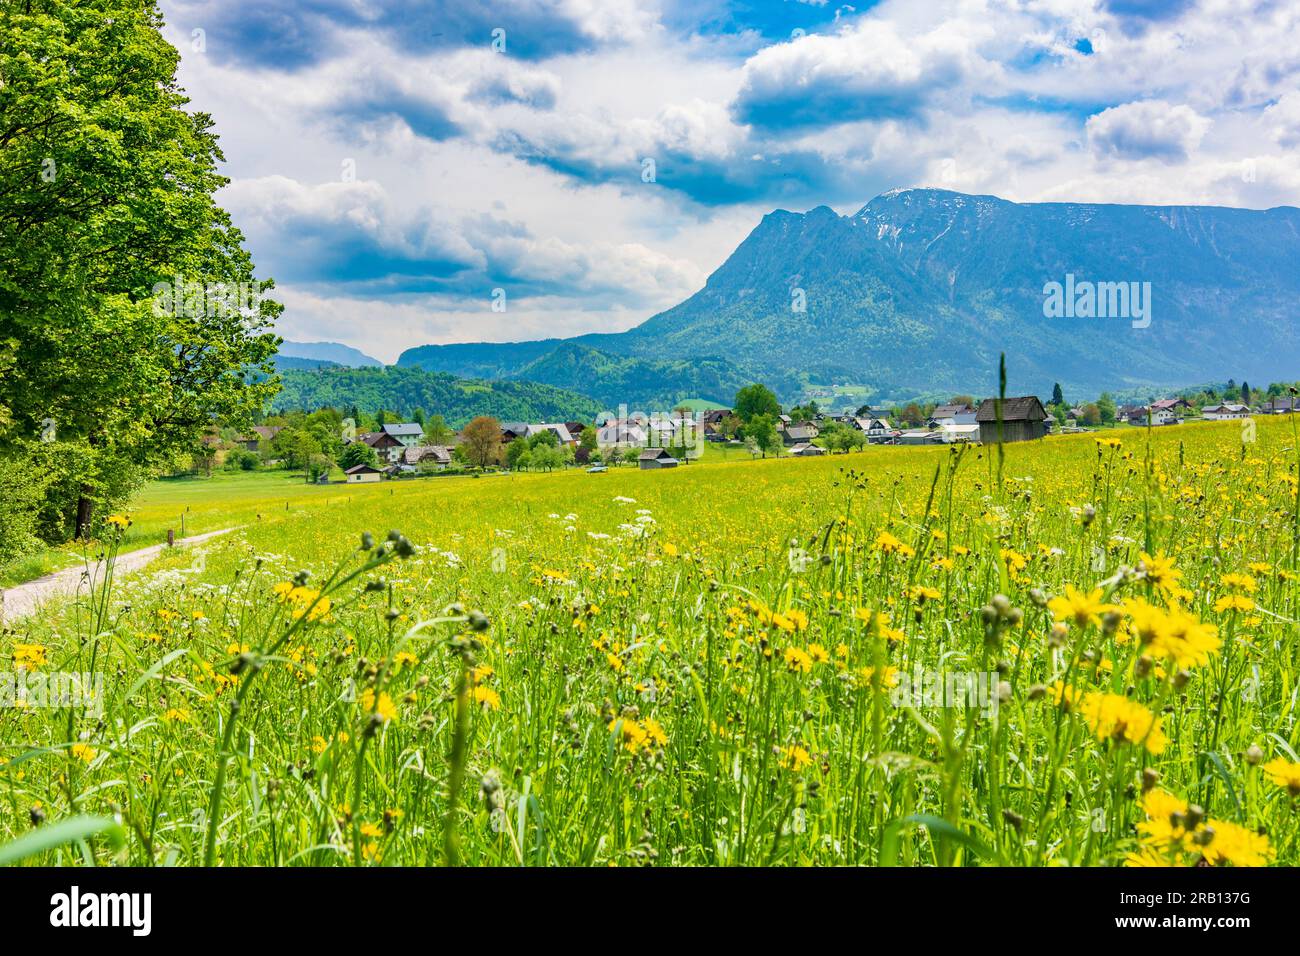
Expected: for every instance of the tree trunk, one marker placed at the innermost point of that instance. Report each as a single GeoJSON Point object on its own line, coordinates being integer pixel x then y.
{"type": "Point", "coordinates": [85, 511]}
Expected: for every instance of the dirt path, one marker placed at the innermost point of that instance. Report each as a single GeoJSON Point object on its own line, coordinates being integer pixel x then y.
{"type": "Point", "coordinates": [20, 601]}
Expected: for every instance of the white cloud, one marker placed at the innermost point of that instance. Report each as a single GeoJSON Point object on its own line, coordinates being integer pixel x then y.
{"type": "Point", "coordinates": [1149, 129]}
{"type": "Point", "coordinates": [869, 69]}
{"type": "Point", "coordinates": [475, 169]}
{"type": "Point", "coordinates": [384, 327]}
{"type": "Point", "coordinates": [1284, 120]}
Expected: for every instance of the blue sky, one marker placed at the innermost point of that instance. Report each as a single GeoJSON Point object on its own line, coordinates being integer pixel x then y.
{"type": "Point", "coordinates": [395, 161]}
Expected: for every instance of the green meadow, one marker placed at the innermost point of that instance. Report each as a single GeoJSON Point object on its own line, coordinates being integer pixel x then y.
{"type": "Point", "coordinates": [1072, 652]}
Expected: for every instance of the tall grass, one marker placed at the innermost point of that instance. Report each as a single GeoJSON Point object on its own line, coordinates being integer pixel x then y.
{"type": "Point", "coordinates": [706, 666]}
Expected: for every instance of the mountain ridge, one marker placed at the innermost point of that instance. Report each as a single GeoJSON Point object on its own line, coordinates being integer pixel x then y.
{"type": "Point", "coordinates": [334, 353]}
{"type": "Point", "coordinates": [925, 288]}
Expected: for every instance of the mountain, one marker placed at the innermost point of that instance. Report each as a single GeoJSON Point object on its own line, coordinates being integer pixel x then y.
{"type": "Point", "coordinates": [283, 362]}
{"type": "Point", "coordinates": [923, 288]}
{"type": "Point", "coordinates": [328, 352]}
{"type": "Point", "coordinates": [640, 384]}
{"type": "Point", "coordinates": [478, 359]}
{"type": "Point", "coordinates": [405, 389]}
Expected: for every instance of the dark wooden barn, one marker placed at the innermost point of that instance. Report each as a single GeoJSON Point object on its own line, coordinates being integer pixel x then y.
{"type": "Point", "coordinates": [1023, 419]}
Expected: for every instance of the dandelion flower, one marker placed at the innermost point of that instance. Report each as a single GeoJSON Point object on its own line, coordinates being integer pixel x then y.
{"type": "Point", "coordinates": [795, 758]}
{"type": "Point", "coordinates": [487, 697]}
{"type": "Point", "coordinates": [29, 656]}
{"type": "Point", "coordinates": [797, 660]}
{"type": "Point", "coordinates": [1115, 717]}
{"type": "Point", "coordinates": [1079, 608]}
{"type": "Point", "coordinates": [384, 708]}
{"type": "Point", "coordinates": [1284, 773]}
{"type": "Point", "coordinates": [1234, 602]}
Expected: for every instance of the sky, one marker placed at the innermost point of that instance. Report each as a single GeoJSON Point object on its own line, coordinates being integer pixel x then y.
{"type": "Point", "coordinates": [419, 171]}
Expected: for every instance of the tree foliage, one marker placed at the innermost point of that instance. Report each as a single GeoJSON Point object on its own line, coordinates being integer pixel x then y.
{"type": "Point", "coordinates": [480, 441]}
{"type": "Point", "coordinates": [756, 399]}
{"type": "Point", "coordinates": [106, 191]}
{"type": "Point", "coordinates": [454, 400]}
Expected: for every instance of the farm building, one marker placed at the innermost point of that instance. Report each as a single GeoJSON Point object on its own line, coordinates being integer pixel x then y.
{"type": "Point", "coordinates": [807, 451]}
{"type": "Point", "coordinates": [948, 434]}
{"type": "Point", "coordinates": [800, 434]}
{"type": "Point", "coordinates": [1225, 411]}
{"type": "Point", "coordinates": [1023, 419]}
{"type": "Point", "coordinates": [653, 458]}
{"type": "Point", "coordinates": [918, 436]}
{"type": "Point", "coordinates": [359, 473]}
{"type": "Point", "coordinates": [259, 434]}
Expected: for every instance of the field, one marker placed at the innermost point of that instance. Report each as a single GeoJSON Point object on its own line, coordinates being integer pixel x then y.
{"type": "Point", "coordinates": [1083, 652]}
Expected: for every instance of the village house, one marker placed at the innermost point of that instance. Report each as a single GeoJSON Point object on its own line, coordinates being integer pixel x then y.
{"type": "Point", "coordinates": [259, 434]}
{"type": "Point", "coordinates": [661, 431]}
{"type": "Point", "coordinates": [878, 431]}
{"type": "Point", "coordinates": [409, 434]}
{"type": "Point", "coordinates": [428, 456]}
{"type": "Point", "coordinates": [1224, 411]}
{"type": "Point", "coordinates": [386, 447]}
{"type": "Point", "coordinates": [653, 458]}
{"type": "Point", "coordinates": [952, 414]}
{"type": "Point", "coordinates": [1282, 405]}
{"type": "Point", "coordinates": [621, 433]}
{"type": "Point", "coordinates": [561, 432]}
{"type": "Point", "coordinates": [1162, 415]}
{"type": "Point", "coordinates": [1177, 406]}
{"type": "Point", "coordinates": [512, 430]}
{"type": "Point", "coordinates": [363, 473]}
{"type": "Point", "coordinates": [1023, 419]}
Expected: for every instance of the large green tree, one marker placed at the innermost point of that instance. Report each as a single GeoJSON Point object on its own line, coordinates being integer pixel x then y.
{"type": "Point", "coordinates": [756, 399]}
{"type": "Point", "coordinates": [129, 312]}
{"type": "Point", "coordinates": [761, 433]}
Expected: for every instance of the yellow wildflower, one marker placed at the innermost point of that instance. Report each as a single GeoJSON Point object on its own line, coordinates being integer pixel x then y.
{"type": "Point", "coordinates": [384, 708]}
{"type": "Point", "coordinates": [795, 758]}
{"type": "Point", "coordinates": [1284, 773]}
{"type": "Point", "coordinates": [1079, 608]}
